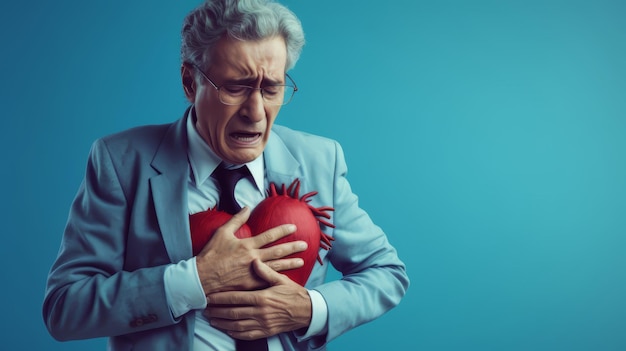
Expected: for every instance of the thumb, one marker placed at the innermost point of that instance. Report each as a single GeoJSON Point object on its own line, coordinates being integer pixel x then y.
{"type": "Point", "coordinates": [266, 273]}
{"type": "Point", "coordinates": [237, 220]}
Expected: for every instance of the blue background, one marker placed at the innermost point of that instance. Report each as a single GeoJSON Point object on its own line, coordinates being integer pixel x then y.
{"type": "Point", "coordinates": [505, 122]}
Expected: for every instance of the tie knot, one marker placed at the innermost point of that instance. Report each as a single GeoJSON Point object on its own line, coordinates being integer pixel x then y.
{"type": "Point", "coordinates": [227, 178]}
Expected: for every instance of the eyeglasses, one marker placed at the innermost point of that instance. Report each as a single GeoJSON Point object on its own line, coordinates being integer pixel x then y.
{"type": "Point", "coordinates": [236, 94]}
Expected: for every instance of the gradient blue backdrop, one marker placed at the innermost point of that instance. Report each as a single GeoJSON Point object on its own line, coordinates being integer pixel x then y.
{"type": "Point", "coordinates": [509, 118]}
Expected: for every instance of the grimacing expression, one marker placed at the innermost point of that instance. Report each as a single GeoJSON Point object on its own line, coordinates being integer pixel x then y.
{"type": "Point", "coordinates": [237, 134]}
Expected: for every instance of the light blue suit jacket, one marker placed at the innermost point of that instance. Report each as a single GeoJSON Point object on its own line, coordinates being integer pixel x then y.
{"type": "Point", "coordinates": [129, 221]}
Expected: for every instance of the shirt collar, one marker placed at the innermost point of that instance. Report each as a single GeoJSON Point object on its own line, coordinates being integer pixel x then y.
{"type": "Point", "coordinates": [204, 161]}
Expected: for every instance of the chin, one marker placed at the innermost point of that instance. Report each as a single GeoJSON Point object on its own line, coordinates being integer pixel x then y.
{"type": "Point", "coordinates": [244, 158]}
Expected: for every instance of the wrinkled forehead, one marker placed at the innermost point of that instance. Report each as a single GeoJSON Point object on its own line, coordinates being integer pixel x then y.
{"type": "Point", "coordinates": [260, 59]}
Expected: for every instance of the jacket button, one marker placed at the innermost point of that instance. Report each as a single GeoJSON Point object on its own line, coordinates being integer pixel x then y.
{"type": "Point", "coordinates": [138, 322]}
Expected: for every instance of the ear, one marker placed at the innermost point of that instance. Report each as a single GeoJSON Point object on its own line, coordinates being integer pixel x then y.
{"type": "Point", "coordinates": [189, 82]}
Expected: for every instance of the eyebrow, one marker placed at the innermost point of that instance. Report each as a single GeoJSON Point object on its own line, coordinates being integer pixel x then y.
{"type": "Point", "coordinates": [249, 81]}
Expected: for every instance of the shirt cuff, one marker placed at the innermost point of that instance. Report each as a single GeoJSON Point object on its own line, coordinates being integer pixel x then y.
{"type": "Point", "coordinates": [183, 289]}
{"type": "Point", "coordinates": [319, 317]}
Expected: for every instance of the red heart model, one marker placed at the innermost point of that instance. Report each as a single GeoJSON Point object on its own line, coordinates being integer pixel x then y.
{"type": "Point", "coordinates": [279, 207]}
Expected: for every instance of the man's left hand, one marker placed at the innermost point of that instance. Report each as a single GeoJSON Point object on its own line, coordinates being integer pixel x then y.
{"type": "Point", "coordinates": [283, 306]}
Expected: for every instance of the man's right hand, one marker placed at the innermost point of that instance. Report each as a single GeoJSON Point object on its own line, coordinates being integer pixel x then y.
{"type": "Point", "coordinates": [225, 262]}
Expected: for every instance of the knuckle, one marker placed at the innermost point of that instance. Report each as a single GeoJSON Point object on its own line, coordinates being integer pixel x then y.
{"type": "Point", "coordinates": [270, 236]}
{"type": "Point", "coordinates": [265, 314]}
{"type": "Point", "coordinates": [279, 252]}
{"type": "Point", "coordinates": [258, 300]}
{"type": "Point", "coordinates": [294, 264]}
{"type": "Point", "coordinates": [233, 314]}
{"type": "Point", "coordinates": [294, 247]}
{"type": "Point", "coordinates": [236, 300]}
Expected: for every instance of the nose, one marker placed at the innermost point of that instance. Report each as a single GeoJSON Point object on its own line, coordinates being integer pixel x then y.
{"type": "Point", "coordinates": [253, 108]}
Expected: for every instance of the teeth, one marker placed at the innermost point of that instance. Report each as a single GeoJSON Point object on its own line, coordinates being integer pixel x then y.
{"type": "Point", "coordinates": [246, 137]}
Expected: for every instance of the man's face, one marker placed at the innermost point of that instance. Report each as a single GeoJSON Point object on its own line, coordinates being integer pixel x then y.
{"type": "Point", "coordinates": [237, 134]}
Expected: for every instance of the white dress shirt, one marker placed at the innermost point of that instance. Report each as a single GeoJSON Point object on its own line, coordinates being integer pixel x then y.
{"type": "Point", "coordinates": [182, 285]}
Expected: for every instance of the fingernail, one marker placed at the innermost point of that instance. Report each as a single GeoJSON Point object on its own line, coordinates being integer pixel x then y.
{"type": "Point", "coordinates": [291, 227]}
{"type": "Point", "coordinates": [302, 245]}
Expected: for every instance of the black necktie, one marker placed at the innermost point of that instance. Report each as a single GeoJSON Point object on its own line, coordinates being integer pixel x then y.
{"type": "Point", "coordinates": [227, 179]}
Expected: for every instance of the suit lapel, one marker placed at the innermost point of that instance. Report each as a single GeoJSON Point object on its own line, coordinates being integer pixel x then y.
{"type": "Point", "coordinates": [280, 165]}
{"type": "Point", "coordinates": [169, 191]}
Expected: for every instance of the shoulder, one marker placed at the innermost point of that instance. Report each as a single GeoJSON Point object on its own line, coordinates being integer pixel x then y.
{"type": "Point", "coordinates": [134, 149]}
{"type": "Point", "coordinates": [317, 158]}
{"type": "Point", "coordinates": [142, 137]}
{"type": "Point", "coordinates": [288, 134]}
{"type": "Point", "coordinates": [299, 142]}
{"type": "Point", "coordinates": [144, 141]}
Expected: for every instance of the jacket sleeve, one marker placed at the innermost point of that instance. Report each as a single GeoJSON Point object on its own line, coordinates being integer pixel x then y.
{"type": "Point", "coordinates": [88, 292]}
{"type": "Point", "coordinates": [374, 278]}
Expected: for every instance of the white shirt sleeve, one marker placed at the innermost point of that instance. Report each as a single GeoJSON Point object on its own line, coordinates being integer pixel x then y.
{"type": "Point", "coordinates": [319, 317]}
{"type": "Point", "coordinates": [183, 289]}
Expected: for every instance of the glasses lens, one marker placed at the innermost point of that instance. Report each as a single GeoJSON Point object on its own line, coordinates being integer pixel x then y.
{"type": "Point", "coordinates": [234, 94]}
{"type": "Point", "coordinates": [272, 94]}
{"type": "Point", "coordinates": [278, 94]}
{"type": "Point", "coordinates": [288, 94]}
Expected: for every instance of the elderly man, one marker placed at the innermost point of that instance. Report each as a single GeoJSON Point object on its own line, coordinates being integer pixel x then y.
{"type": "Point", "coordinates": [126, 270]}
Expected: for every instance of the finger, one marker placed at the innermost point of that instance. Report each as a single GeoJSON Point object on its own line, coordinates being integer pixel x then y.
{"type": "Point", "coordinates": [285, 264]}
{"type": "Point", "coordinates": [244, 329]}
{"type": "Point", "coordinates": [271, 235]}
{"type": "Point", "coordinates": [282, 250]}
{"type": "Point", "coordinates": [237, 220]}
{"type": "Point", "coordinates": [227, 314]}
{"type": "Point", "coordinates": [266, 273]}
{"type": "Point", "coordinates": [229, 298]}
{"type": "Point", "coordinates": [248, 334]}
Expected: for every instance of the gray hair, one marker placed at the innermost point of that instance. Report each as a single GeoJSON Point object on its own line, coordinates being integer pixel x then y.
{"type": "Point", "coordinates": [242, 20]}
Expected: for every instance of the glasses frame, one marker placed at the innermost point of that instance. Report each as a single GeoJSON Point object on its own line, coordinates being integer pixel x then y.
{"type": "Point", "coordinates": [250, 89]}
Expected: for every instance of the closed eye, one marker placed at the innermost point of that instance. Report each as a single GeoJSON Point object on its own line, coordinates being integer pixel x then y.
{"type": "Point", "coordinates": [273, 89]}
{"type": "Point", "coordinates": [233, 89]}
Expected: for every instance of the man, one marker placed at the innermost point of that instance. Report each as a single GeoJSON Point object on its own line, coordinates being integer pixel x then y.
{"type": "Point", "coordinates": [125, 268]}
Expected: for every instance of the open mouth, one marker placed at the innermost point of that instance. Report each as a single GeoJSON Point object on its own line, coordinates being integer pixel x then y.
{"type": "Point", "coordinates": [245, 138]}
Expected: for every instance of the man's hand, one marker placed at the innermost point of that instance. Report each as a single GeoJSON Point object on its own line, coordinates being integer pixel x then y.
{"type": "Point", "coordinates": [224, 264]}
{"type": "Point", "coordinates": [283, 306]}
